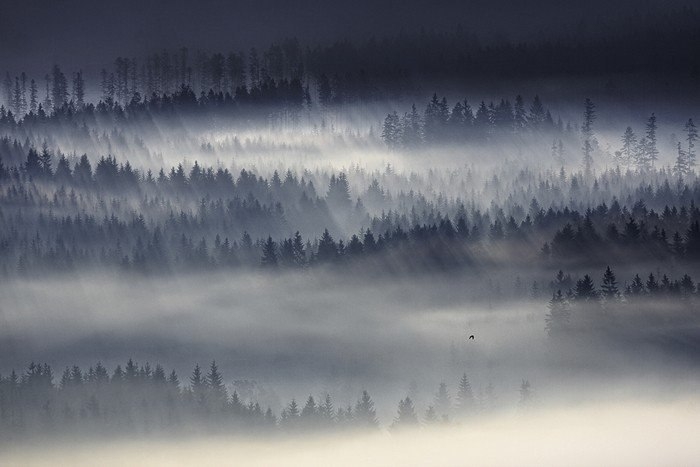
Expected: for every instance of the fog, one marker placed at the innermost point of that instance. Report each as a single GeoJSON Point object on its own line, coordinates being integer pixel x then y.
{"type": "Point", "coordinates": [295, 335]}
{"type": "Point", "coordinates": [621, 434]}
{"type": "Point", "coordinates": [419, 242]}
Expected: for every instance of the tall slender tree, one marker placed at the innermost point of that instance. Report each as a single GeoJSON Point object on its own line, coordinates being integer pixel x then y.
{"type": "Point", "coordinates": [589, 117]}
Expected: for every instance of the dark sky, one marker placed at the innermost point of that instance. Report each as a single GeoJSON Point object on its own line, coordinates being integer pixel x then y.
{"type": "Point", "coordinates": [88, 33]}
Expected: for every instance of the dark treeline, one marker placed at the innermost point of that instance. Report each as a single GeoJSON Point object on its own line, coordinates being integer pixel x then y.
{"type": "Point", "coordinates": [440, 123]}
{"type": "Point", "coordinates": [286, 98]}
{"type": "Point", "coordinates": [70, 216]}
{"type": "Point", "coordinates": [137, 400]}
{"type": "Point", "coordinates": [377, 68]}
{"type": "Point", "coordinates": [613, 308]}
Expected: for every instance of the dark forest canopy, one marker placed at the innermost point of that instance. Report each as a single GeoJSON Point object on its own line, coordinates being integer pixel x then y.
{"type": "Point", "coordinates": [377, 68]}
{"type": "Point", "coordinates": [61, 214]}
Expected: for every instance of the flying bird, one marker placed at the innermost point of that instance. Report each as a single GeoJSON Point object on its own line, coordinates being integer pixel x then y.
{"type": "Point", "coordinates": [471, 337]}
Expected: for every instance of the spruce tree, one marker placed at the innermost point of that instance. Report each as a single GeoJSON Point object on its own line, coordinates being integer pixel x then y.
{"type": "Point", "coordinates": [269, 254]}
{"type": "Point", "coordinates": [406, 415]}
{"type": "Point", "coordinates": [215, 386]}
{"type": "Point", "coordinates": [589, 117]}
{"type": "Point", "coordinates": [691, 137]}
{"type": "Point", "coordinates": [651, 150]}
{"type": "Point", "coordinates": [559, 315]}
{"type": "Point", "coordinates": [609, 287]}
{"type": "Point", "coordinates": [365, 414]}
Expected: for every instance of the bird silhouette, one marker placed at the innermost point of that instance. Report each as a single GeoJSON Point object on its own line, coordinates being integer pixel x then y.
{"type": "Point", "coordinates": [471, 337]}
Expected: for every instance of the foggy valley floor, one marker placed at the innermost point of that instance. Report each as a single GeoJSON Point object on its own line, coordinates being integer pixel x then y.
{"type": "Point", "coordinates": [623, 433]}
{"type": "Point", "coordinates": [276, 337]}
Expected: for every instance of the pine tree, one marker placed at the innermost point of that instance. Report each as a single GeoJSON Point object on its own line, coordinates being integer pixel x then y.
{"type": "Point", "coordinates": [327, 248]}
{"type": "Point", "coordinates": [338, 196]}
{"type": "Point", "coordinates": [78, 94]}
{"type": "Point", "coordinates": [585, 290]}
{"type": "Point", "coordinates": [269, 254]}
{"type": "Point", "coordinates": [629, 145]}
{"type": "Point", "coordinates": [326, 410]}
{"type": "Point", "coordinates": [537, 115]}
{"type": "Point", "coordinates": [310, 411]}
{"type": "Point", "coordinates": [33, 164]}
{"type": "Point", "coordinates": [406, 415]}
{"type": "Point", "coordinates": [45, 160]}
{"type": "Point", "coordinates": [519, 116]}
{"type": "Point", "coordinates": [651, 150]}
{"type": "Point", "coordinates": [588, 138]}
{"type": "Point", "coordinates": [33, 97]}
{"type": "Point", "coordinates": [652, 285]}
{"type": "Point", "coordinates": [391, 131]}
{"type": "Point", "coordinates": [609, 287]}
{"type": "Point", "coordinates": [59, 88]}
{"type": "Point", "coordinates": [198, 385]}
{"type": "Point", "coordinates": [215, 386]}
{"type": "Point", "coordinates": [637, 286]}
{"type": "Point", "coordinates": [17, 98]}
{"type": "Point", "coordinates": [23, 95]}
{"type": "Point", "coordinates": [691, 136]}
{"type": "Point", "coordinates": [443, 403]}
{"type": "Point", "coordinates": [559, 315]}
{"type": "Point", "coordinates": [365, 414]}
{"type": "Point", "coordinates": [298, 250]}
{"type": "Point", "coordinates": [681, 168]}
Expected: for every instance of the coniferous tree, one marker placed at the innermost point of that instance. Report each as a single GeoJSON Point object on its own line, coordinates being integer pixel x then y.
{"type": "Point", "coordinates": [198, 384]}
{"type": "Point", "coordinates": [681, 168]}
{"type": "Point", "coordinates": [585, 290]}
{"type": "Point", "coordinates": [559, 315]}
{"type": "Point", "coordinates": [59, 88]}
{"type": "Point", "coordinates": [519, 116]}
{"type": "Point", "coordinates": [652, 285]}
{"type": "Point", "coordinates": [691, 137]}
{"type": "Point", "coordinates": [33, 164]}
{"type": "Point", "coordinates": [216, 388]}
{"type": "Point", "coordinates": [629, 146]}
{"type": "Point", "coordinates": [33, 97]}
{"type": "Point", "coordinates": [365, 413]}
{"type": "Point", "coordinates": [78, 93]}
{"type": "Point", "coordinates": [651, 151]}
{"type": "Point", "coordinates": [391, 131]}
{"type": "Point", "coordinates": [538, 115]}
{"type": "Point", "coordinates": [406, 415]}
{"type": "Point", "coordinates": [589, 117]}
{"type": "Point", "coordinates": [465, 396]}
{"type": "Point", "coordinates": [443, 404]}
{"type": "Point", "coordinates": [269, 254]}
{"type": "Point", "coordinates": [609, 287]}
{"type": "Point", "coordinates": [327, 248]}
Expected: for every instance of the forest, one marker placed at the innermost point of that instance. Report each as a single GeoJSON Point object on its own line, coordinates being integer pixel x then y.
{"type": "Point", "coordinates": [297, 244]}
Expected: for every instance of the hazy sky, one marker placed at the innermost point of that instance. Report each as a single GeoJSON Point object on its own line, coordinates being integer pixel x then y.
{"type": "Point", "coordinates": [79, 32]}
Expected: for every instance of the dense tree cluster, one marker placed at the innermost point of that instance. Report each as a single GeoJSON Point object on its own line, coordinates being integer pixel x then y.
{"type": "Point", "coordinates": [145, 399]}
{"type": "Point", "coordinates": [579, 305]}
{"type": "Point", "coordinates": [440, 124]}
{"type": "Point", "coordinates": [376, 68]}
{"type": "Point", "coordinates": [60, 213]}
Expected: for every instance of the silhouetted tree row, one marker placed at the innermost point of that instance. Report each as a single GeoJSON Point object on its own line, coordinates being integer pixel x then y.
{"type": "Point", "coordinates": [439, 123]}
{"type": "Point", "coordinates": [580, 305]}
{"type": "Point", "coordinates": [62, 214]}
{"type": "Point", "coordinates": [145, 399]}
